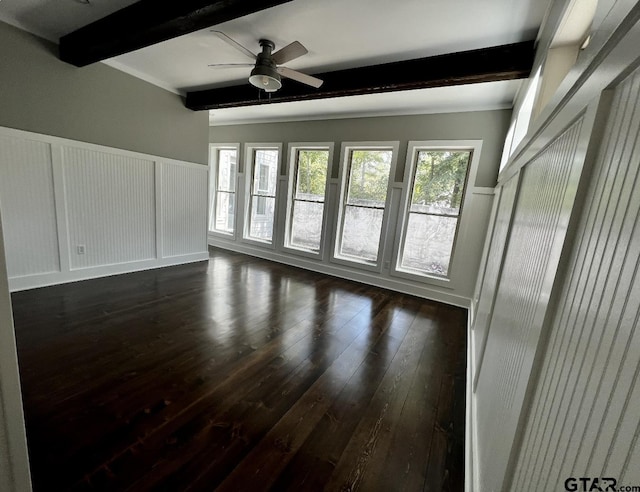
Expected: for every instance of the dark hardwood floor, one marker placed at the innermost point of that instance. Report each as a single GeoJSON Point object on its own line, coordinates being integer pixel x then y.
{"type": "Point", "coordinates": [240, 375]}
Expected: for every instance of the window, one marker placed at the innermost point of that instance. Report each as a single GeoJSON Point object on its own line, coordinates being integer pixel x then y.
{"type": "Point", "coordinates": [223, 185]}
{"type": "Point", "coordinates": [521, 122]}
{"type": "Point", "coordinates": [263, 180]}
{"type": "Point", "coordinates": [506, 150]}
{"type": "Point", "coordinates": [435, 196]}
{"type": "Point", "coordinates": [261, 205]}
{"type": "Point", "coordinates": [365, 186]}
{"type": "Point", "coordinates": [262, 195]}
{"type": "Point", "coordinates": [307, 185]}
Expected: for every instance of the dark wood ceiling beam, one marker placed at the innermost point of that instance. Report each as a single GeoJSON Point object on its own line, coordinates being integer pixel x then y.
{"type": "Point", "coordinates": [506, 62]}
{"type": "Point", "coordinates": [149, 22]}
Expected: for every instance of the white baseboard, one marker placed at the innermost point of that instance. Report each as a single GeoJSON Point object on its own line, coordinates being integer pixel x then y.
{"type": "Point", "coordinates": [368, 278]}
{"type": "Point", "coordinates": [54, 278]}
{"type": "Point", "coordinates": [471, 477]}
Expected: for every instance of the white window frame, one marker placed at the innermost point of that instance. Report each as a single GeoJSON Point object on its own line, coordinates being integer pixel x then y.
{"type": "Point", "coordinates": [249, 151]}
{"type": "Point", "coordinates": [292, 152]}
{"type": "Point", "coordinates": [413, 147]}
{"type": "Point", "coordinates": [213, 186]}
{"type": "Point", "coordinates": [345, 153]}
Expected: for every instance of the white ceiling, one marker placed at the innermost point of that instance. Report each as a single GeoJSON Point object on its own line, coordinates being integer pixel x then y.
{"type": "Point", "coordinates": [338, 34]}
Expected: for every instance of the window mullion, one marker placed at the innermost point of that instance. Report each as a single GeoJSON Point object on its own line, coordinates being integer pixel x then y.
{"type": "Point", "coordinates": [365, 206]}
{"type": "Point", "coordinates": [452, 216]}
{"type": "Point", "coordinates": [308, 201]}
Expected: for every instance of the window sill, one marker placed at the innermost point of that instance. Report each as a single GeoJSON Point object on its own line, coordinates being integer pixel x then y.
{"type": "Point", "coordinates": [421, 277]}
{"type": "Point", "coordinates": [258, 241]}
{"type": "Point", "coordinates": [357, 263]}
{"type": "Point", "coordinates": [308, 253]}
{"type": "Point", "coordinates": [221, 233]}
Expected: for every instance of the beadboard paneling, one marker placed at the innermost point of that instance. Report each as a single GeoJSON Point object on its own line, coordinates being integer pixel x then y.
{"type": "Point", "coordinates": [27, 200]}
{"type": "Point", "coordinates": [110, 206]}
{"type": "Point", "coordinates": [57, 194]}
{"type": "Point", "coordinates": [543, 208]}
{"type": "Point", "coordinates": [184, 209]}
{"type": "Point", "coordinates": [584, 412]}
{"type": "Point", "coordinates": [500, 236]}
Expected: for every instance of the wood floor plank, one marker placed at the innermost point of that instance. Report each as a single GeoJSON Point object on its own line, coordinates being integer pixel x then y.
{"type": "Point", "coordinates": [292, 393]}
{"type": "Point", "coordinates": [246, 414]}
{"type": "Point", "coordinates": [315, 461]}
{"type": "Point", "coordinates": [267, 460]}
{"type": "Point", "coordinates": [254, 372]}
{"type": "Point", "coordinates": [240, 374]}
{"type": "Point", "coordinates": [438, 475]}
{"type": "Point", "coordinates": [363, 462]}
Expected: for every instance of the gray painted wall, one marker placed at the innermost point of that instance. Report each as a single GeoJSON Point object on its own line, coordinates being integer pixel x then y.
{"type": "Point", "coordinates": [96, 104]}
{"type": "Point", "coordinates": [489, 126]}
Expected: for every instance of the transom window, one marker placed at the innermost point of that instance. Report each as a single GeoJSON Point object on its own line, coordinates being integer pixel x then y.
{"type": "Point", "coordinates": [364, 200]}
{"type": "Point", "coordinates": [437, 183]}
{"type": "Point", "coordinates": [308, 185]}
{"type": "Point", "coordinates": [223, 202]}
{"type": "Point", "coordinates": [264, 177]}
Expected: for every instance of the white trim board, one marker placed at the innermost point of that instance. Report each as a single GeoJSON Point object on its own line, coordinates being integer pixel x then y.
{"type": "Point", "coordinates": [471, 477]}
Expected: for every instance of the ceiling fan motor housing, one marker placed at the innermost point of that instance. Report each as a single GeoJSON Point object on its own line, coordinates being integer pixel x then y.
{"type": "Point", "coordinates": [264, 75]}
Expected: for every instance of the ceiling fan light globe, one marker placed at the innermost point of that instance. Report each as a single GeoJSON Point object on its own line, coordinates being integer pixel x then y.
{"type": "Point", "coordinates": [265, 78]}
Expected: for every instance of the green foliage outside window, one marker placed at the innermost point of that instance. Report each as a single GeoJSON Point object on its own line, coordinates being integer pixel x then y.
{"type": "Point", "coordinates": [369, 177]}
{"type": "Point", "coordinates": [440, 177]}
{"type": "Point", "coordinates": [312, 172]}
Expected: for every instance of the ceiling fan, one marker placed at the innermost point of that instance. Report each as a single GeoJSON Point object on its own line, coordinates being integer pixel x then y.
{"type": "Point", "coordinates": [267, 69]}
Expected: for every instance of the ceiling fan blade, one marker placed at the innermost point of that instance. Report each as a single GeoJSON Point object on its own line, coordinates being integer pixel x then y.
{"type": "Point", "coordinates": [230, 65]}
{"type": "Point", "coordinates": [235, 44]}
{"type": "Point", "coordinates": [288, 53]}
{"type": "Point", "coordinates": [300, 77]}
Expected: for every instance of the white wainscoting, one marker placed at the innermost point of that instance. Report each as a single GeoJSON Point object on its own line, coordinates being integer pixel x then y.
{"type": "Point", "coordinates": [110, 207]}
{"type": "Point", "coordinates": [558, 388]}
{"type": "Point", "coordinates": [27, 198]}
{"type": "Point", "coordinates": [540, 218]}
{"type": "Point", "coordinates": [584, 413]}
{"type": "Point", "coordinates": [184, 220]}
{"type": "Point", "coordinates": [492, 272]}
{"type": "Point", "coordinates": [74, 211]}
